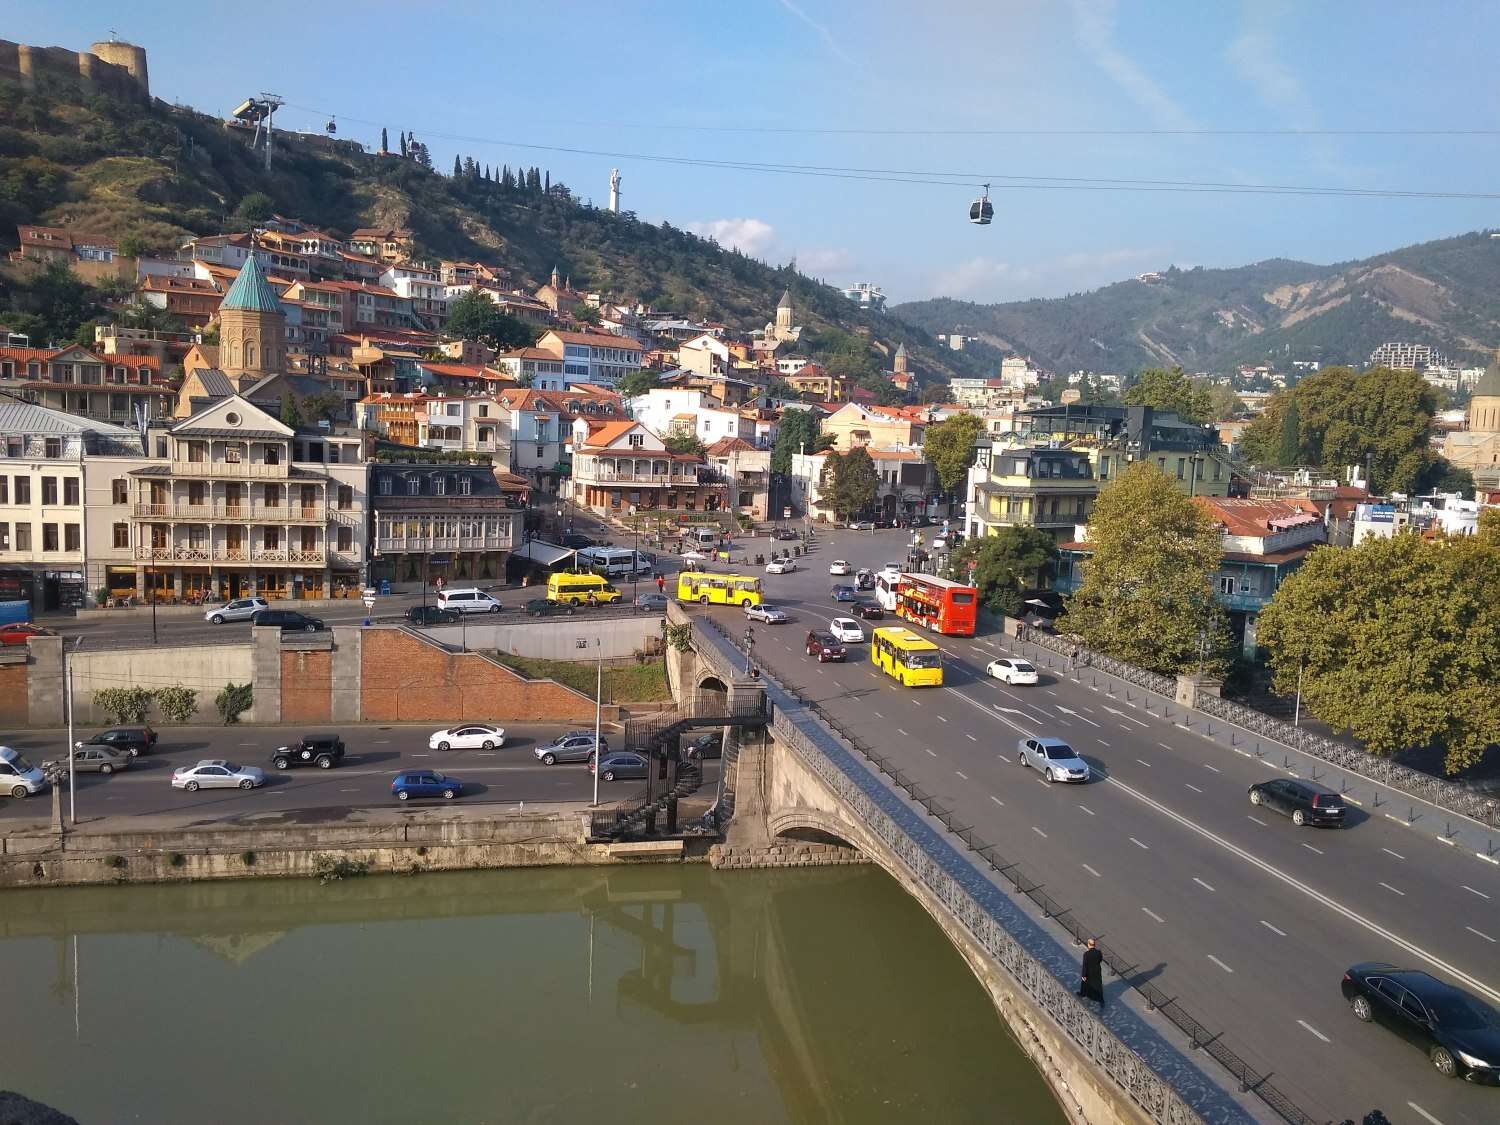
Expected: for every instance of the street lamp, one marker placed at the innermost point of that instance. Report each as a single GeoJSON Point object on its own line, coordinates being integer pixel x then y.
{"type": "Point", "coordinates": [583, 642]}
{"type": "Point", "coordinates": [635, 550]}
{"type": "Point", "coordinates": [749, 649]}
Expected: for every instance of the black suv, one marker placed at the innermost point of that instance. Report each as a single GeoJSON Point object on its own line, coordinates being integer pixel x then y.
{"type": "Point", "coordinates": [784, 535]}
{"type": "Point", "coordinates": [705, 746]}
{"type": "Point", "coordinates": [322, 750]}
{"type": "Point", "coordinates": [431, 615]}
{"type": "Point", "coordinates": [1304, 801]}
{"type": "Point", "coordinates": [824, 646]}
{"type": "Point", "coordinates": [546, 607]}
{"type": "Point", "coordinates": [1459, 1034]}
{"type": "Point", "coordinates": [130, 740]}
{"type": "Point", "coordinates": [287, 620]}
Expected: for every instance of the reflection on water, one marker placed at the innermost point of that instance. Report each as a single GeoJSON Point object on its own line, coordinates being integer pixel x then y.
{"type": "Point", "coordinates": [658, 994]}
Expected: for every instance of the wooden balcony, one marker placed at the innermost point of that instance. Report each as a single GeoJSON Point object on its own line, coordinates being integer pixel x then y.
{"type": "Point", "coordinates": [243, 470]}
{"type": "Point", "coordinates": [222, 511]}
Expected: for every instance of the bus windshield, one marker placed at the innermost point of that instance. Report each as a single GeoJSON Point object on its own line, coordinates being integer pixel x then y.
{"type": "Point", "coordinates": [922, 659]}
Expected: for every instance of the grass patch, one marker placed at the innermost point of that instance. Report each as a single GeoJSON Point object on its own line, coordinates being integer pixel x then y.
{"type": "Point", "coordinates": [634, 683]}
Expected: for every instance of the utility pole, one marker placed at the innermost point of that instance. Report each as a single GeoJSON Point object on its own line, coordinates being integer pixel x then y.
{"type": "Point", "coordinates": [68, 704]}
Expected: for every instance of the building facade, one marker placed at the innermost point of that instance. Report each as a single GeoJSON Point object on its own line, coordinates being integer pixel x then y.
{"type": "Point", "coordinates": [119, 388]}
{"type": "Point", "coordinates": [623, 465]}
{"type": "Point", "coordinates": [1052, 490]}
{"type": "Point", "coordinates": [591, 357]}
{"type": "Point", "coordinates": [452, 521]}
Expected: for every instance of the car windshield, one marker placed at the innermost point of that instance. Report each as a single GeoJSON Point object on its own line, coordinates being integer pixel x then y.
{"type": "Point", "coordinates": [1060, 753]}
{"type": "Point", "coordinates": [1458, 1012]}
{"type": "Point", "coordinates": [1021, 666]}
{"type": "Point", "coordinates": [21, 765]}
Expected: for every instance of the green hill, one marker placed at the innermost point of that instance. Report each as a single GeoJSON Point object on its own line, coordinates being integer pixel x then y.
{"type": "Point", "coordinates": [1444, 293]}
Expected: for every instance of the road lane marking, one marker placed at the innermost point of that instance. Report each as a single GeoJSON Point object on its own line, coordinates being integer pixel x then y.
{"type": "Point", "coordinates": [943, 718]}
{"type": "Point", "coordinates": [1076, 715]}
{"type": "Point", "coordinates": [1137, 843]}
{"type": "Point", "coordinates": [1472, 891]}
{"type": "Point", "coordinates": [1315, 1031]}
{"type": "Point", "coordinates": [1424, 1113]}
{"type": "Point", "coordinates": [1103, 743]}
{"type": "Point", "coordinates": [1388, 887]}
{"type": "Point", "coordinates": [1256, 819]}
{"type": "Point", "coordinates": [382, 742]}
{"type": "Point", "coordinates": [1486, 937]}
{"type": "Point", "coordinates": [1273, 929]}
{"type": "Point", "coordinates": [971, 738]}
{"type": "Point", "coordinates": [916, 702]}
{"type": "Point", "coordinates": [902, 733]}
{"type": "Point", "coordinates": [1193, 787]}
{"type": "Point", "coordinates": [1153, 914]}
{"type": "Point", "coordinates": [930, 751]}
{"type": "Point", "coordinates": [1310, 848]}
{"type": "Point", "coordinates": [877, 714]}
{"type": "Point", "coordinates": [1164, 746]}
{"type": "Point", "coordinates": [1388, 851]}
{"type": "Point", "coordinates": [998, 801]}
{"type": "Point", "coordinates": [1219, 963]}
{"type": "Point", "coordinates": [962, 774]}
{"type": "Point", "coordinates": [1201, 883]}
{"type": "Point", "coordinates": [1039, 832]}
{"type": "Point", "coordinates": [1318, 896]}
{"type": "Point", "coordinates": [1092, 872]}
{"type": "Point", "coordinates": [1086, 809]}
{"type": "Point", "coordinates": [1209, 767]}
{"type": "Point", "coordinates": [1144, 762]}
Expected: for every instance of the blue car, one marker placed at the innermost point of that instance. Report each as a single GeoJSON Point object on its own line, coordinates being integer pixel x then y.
{"type": "Point", "coordinates": [425, 783]}
{"type": "Point", "coordinates": [845, 594]}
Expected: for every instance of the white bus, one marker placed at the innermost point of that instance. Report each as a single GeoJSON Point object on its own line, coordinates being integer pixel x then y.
{"type": "Point", "coordinates": [885, 590]}
{"type": "Point", "coordinates": [615, 562]}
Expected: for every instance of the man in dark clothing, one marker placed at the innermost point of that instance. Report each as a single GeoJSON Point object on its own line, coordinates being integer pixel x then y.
{"type": "Point", "coordinates": [1091, 984]}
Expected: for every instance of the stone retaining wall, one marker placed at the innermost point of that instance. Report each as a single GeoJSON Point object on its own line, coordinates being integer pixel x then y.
{"type": "Point", "coordinates": [788, 853]}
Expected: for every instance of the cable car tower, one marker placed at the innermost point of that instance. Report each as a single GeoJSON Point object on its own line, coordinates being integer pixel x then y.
{"type": "Point", "coordinates": [982, 211]}
{"type": "Point", "coordinates": [261, 111]}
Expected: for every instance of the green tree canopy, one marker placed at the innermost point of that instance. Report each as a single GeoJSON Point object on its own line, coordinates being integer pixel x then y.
{"type": "Point", "coordinates": [1397, 641]}
{"type": "Point", "coordinates": [799, 430]}
{"type": "Point", "coordinates": [684, 442]}
{"type": "Point", "coordinates": [1004, 565]}
{"type": "Point", "coordinates": [849, 482]}
{"type": "Point", "coordinates": [1147, 594]}
{"type": "Point", "coordinates": [638, 383]}
{"type": "Point", "coordinates": [1223, 403]}
{"type": "Point", "coordinates": [1171, 390]}
{"type": "Point", "coordinates": [949, 448]}
{"type": "Point", "coordinates": [255, 207]}
{"type": "Point", "coordinates": [473, 316]}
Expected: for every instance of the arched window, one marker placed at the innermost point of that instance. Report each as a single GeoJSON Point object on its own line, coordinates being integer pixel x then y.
{"type": "Point", "coordinates": [249, 354]}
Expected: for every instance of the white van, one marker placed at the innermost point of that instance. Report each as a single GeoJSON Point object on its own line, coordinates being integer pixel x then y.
{"type": "Point", "coordinates": [470, 599]}
{"type": "Point", "coordinates": [18, 777]}
{"type": "Point", "coordinates": [701, 537]}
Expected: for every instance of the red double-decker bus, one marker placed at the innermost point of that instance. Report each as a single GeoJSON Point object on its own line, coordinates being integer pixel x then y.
{"type": "Point", "coordinates": [939, 604]}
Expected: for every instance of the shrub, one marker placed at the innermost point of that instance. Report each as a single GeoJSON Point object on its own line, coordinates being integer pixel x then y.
{"type": "Point", "coordinates": [680, 637]}
{"type": "Point", "coordinates": [115, 861]}
{"type": "Point", "coordinates": [331, 868]}
{"type": "Point", "coordinates": [123, 704]}
{"type": "Point", "coordinates": [176, 859]}
{"type": "Point", "coordinates": [234, 701]}
{"type": "Point", "coordinates": [247, 858]}
{"type": "Point", "coordinates": [177, 704]}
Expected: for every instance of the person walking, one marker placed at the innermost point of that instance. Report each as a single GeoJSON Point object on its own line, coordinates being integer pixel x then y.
{"type": "Point", "coordinates": [1073, 657]}
{"type": "Point", "coordinates": [661, 584]}
{"type": "Point", "coordinates": [1091, 982]}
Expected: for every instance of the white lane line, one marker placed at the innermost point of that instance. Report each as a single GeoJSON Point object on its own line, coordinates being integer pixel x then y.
{"type": "Point", "coordinates": [1209, 767]}
{"type": "Point", "coordinates": [1327, 901]}
{"type": "Point", "coordinates": [971, 738]}
{"type": "Point", "coordinates": [1193, 787]}
{"type": "Point", "coordinates": [1153, 914]}
{"type": "Point", "coordinates": [877, 714]}
{"type": "Point", "coordinates": [1103, 743]}
{"type": "Point", "coordinates": [1219, 963]}
{"type": "Point", "coordinates": [246, 744]}
{"type": "Point", "coordinates": [1486, 937]}
{"type": "Point", "coordinates": [962, 774]}
{"type": "Point", "coordinates": [1388, 851]}
{"type": "Point", "coordinates": [1092, 872]}
{"type": "Point", "coordinates": [1424, 1113]}
{"type": "Point", "coordinates": [930, 751]}
{"type": "Point", "coordinates": [1472, 891]}
{"type": "Point", "coordinates": [348, 790]}
{"type": "Point", "coordinates": [1144, 762]}
{"type": "Point", "coordinates": [943, 718]}
{"type": "Point", "coordinates": [1388, 887]}
{"type": "Point", "coordinates": [1201, 883]}
{"type": "Point", "coordinates": [1273, 929]}
{"type": "Point", "coordinates": [902, 733]}
{"type": "Point", "coordinates": [1137, 843]}
{"type": "Point", "coordinates": [998, 801]}
{"type": "Point", "coordinates": [1164, 746]}
{"type": "Point", "coordinates": [1039, 832]}
{"type": "Point", "coordinates": [916, 703]}
{"type": "Point", "coordinates": [1310, 848]}
{"type": "Point", "coordinates": [1256, 819]}
{"type": "Point", "coordinates": [1315, 1031]}
{"type": "Point", "coordinates": [1086, 809]}
{"type": "Point", "coordinates": [382, 742]}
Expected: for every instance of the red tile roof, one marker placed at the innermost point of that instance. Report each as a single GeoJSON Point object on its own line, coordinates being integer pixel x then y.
{"type": "Point", "coordinates": [1256, 519]}
{"type": "Point", "coordinates": [597, 340]}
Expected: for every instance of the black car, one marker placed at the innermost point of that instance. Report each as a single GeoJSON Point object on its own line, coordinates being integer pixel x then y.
{"type": "Point", "coordinates": [287, 620]}
{"type": "Point", "coordinates": [1306, 802]}
{"type": "Point", "coordinates": [322, 750]}
{"type": "Point", "coordinates": [132, 740]}
{"type": "Point", "coordinates": [574, 542]}
{"type": "Point", "coordinates": [1458, 1033]}
{"type": "Point", "coordinates": [546, 607]}
{"type": "Point", "coordinates": [705, 746]}
{"type": "Point", "coordinates": [431, 615]}
{"type": "Point", "coordinates": [784, 534]}
{"type": "Point", "coordinates": [869, 611]}
{"type": "Point", "coordinates": [882, 524]}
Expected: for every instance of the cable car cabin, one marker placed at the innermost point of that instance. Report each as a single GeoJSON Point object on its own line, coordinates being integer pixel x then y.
{"type": "Point", "coordinates": [904, 656]}
{"type": "Point", "coordinates": [940, 604]}
{"type": "Point", "coordinates": [982, 211]}
{"type": "Point", "coordinates": [718, 589]}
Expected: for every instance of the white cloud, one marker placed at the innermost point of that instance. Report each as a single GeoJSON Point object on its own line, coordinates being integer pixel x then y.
{"type": "Point", "coordinates": [826, 35]}
{"type": "Point", "coordinates": [990, 279]}
{"type": "Point", "coordinates": [1096, 32]}
{"type": "Point", "coordinates": [750, 236]}
{"type": "Point", "coordinates": [1254, 57]}
{"type": "Point", "coordinates": [824, 261]}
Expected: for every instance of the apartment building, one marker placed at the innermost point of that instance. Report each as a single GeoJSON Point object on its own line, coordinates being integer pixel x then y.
{"type": "Point", "coordinates": [672, 410]}
{"type": "Point", "coordinates": [854, 425]}
{"type": "Point", "coordinates": [474, 424]}
{"type": "Point", "coordinates": [75, 380]}
{"type": "Point", "coordinates": [532, 367]}
{"type": "Point", "coordinates": [456, 522]}
{"type": "Point", "coordinates": [623, 465]}
{"type": "Point", "coordinates": [423, 288]}
{"type": "Point", "coordinates": [388, 244]}
{"type": "Point", "coordinates": [591, 357]}
{"type": "Point", "coordinates": [1052, 490]}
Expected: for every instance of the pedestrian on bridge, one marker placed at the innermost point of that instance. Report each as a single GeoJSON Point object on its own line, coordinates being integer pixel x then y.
{"type": "Point", "coordinates": [1091, 983]}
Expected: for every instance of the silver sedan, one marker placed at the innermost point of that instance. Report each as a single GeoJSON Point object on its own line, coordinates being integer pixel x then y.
{"type": "Point", "coordinates": [216, 773]}
{"type": "Point", "coordinates": [1055, 758]}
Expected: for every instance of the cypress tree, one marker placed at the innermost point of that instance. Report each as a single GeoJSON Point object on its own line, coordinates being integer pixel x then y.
{"type": "Point", "coordinates": [457, 169]}
{"type": "Point", "coordinates": [385, 141]}
{"type": "Point", "coordinates": [547, 181]}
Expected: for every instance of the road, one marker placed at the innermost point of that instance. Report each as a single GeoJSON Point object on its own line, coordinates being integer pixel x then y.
{"type": "Point", "coordinates": [504, 777]}
{"type": "Point", "coordinates": [1249, 920]}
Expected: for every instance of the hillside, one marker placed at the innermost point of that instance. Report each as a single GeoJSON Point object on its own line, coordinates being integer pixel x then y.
{"type": "Point", "coordinates": [1444, 293]}
{"type": "Point", "coordinates": [154, 175]}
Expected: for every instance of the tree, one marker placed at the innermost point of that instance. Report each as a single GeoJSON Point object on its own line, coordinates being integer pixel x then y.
{"type": "Point", "coordinates": [1290, 452]}
{"type": "Point", "coordinates": [798, 433]}
{"type": "Point", "coordinates": [1223, 403]}
{"type": "Point", "coordinates": [949, 448]}
{"type": "Point", "coordinates": [684, 442]}
{"type": "Point", "coordinates": [1004, 564]}
{"type": "Point", "coordinates": [849, 482]}
{"type": "Point", "coordinates": [291, 413]}
{"type": "Point", "coordinates": [1147, 594]}
{"type": "Point", "coordinates": [1397, 642]}
{"type": "Point", "coordinates": [638, 383]}
{"type": "Point", "coordinates": [1171, 390]}
{"type": "Point", "coordinates": [457, 167]}
{"type": "Point", "coordinates": [385, 141]}
{"type": "Point", "coordinates": [256, 207]}
{"type": "Point", "coordinates": [473, 316]}
{"type": "Point", "coordinates": [935, 394]}
{"type": "Point", "coordinates": [327, 405]}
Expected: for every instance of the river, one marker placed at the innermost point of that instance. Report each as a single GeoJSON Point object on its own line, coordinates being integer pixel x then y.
{"type": "Point", "coordinates": [631, 995]}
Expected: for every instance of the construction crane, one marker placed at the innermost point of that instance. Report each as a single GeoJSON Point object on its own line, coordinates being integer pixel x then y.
{"type": "Point", "coordinates": [261, 112]}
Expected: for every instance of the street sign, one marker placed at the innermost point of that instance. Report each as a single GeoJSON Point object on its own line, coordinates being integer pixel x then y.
{"type": "Point", "coordinates": [369, 600]}
{"type": "Point", "coordinates": [786, 513]}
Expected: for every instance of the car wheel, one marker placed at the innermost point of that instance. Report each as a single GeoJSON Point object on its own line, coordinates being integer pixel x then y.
{"type": "Point", "coordinates": [1051, 777]}
{"type": "Point", "coordinates": [703, 600]}
{"type": "Point", "coordinates": [309, 628]}
{"type": "Point", "coordinates": [106, 768]}
{"type": "Point", "coordinates": [282, 763]}
{"type": "Point", "coordinates": [1443, 1062]}
{"type": "Point", "coordinates": [217, 619]}
{"type": "Point", "coordinates": [247, 784]}
{"type": "Point", "coordinates": [445, 746]}
{"type": "Point", "coordinates": [607, 775]}
{"type": "Point", "coordinates": [549, 759]}
{"type": "Point", "coordinates": [449, 794]}
{"type": "Point", "coordinates": [19, 791]}
{"type": "Point", "coordinates": [403, 795]}
{"type": "Point", "coordinates": [1255, 796]}
{"type": "Point", "coordinates": [1299, 818]}
{"type": "Point", "coordinates": [191, 787]}
{"type": "Point", "coordinates": [494, 609]}
{"type": "Point", "coordinates": [134, 751]}
{"type": "Point", "coordinates": [487, 744]}
{"type": "Point", "coordinates": [570, 611]}
{"type": "Point", "coordinates": [325, 762]}
{"type": "Point", "coordinates": [1022, 762]}
{"type": "Point", "coordinates": [1362, 1010]}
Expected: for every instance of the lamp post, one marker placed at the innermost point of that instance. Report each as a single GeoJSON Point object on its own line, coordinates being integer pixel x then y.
{"type": "Point", "coordinates": [68, 702]}
{"type": "Point", "coordinates": [151, 594]}
{"type": "Point", "coordinates": [1297, 711]}
{"type": "Point", "coordinates": [749, 649]}
{"type": "Point", "coordinates": [583, 642]}
{"type": "Point", "coordinates": [635, 550]}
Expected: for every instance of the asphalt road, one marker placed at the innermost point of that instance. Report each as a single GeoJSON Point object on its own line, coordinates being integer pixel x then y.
{"type": "Point", "coordinates": [1248, 919]}
{"type": "Point", "coordinates": [374, 753]}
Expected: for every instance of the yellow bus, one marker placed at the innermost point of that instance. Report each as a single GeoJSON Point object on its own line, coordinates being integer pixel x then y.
{"type": "Point", "coordinates": [904, 656]}
{"type": "Point", "coordinates": [576, 588]}
{"type": "Point", "coordinates": [718, 589]}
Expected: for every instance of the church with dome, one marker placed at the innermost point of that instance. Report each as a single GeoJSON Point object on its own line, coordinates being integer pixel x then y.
{"type": "Point", "coordinates": [1477, 446]}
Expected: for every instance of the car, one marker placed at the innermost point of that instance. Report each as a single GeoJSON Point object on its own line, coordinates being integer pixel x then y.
{"type": "Point", "coordinates": [784, 535]}
{"type": "Point", "coordinates": [237, 609]}
{"type": "Point", "coordinates": [1459, 1033]}
{"type": "Point", "coordinates": [99, 759]}
{"type": "Point", "coordinates": [770, 614]}
{"type": "Point", "coordinates": [883, 523]}
{"type": "Point", "coordinates": [425, 783]}
{"type": "Point", "coordinates": [132, 740]}
{"type": "Point", "coordinates": [840, 566]}
{"type": "Point", "coordinates": [217, 773]}
{"type": "Point", "coordinates": [825, 646]}
{"type": "Point", "coordinates": [468, 599]}
{"type": "Point", "coordinates": [705, 746]}
{"type": "Point", "coordinates": [780, 566]}
{"type": "Point", "coordinates": [844, 594]}
{"type": "Point", "coordinates": [471, 736]}
{"type": "Point", "coordinates": [322, 750]}
{"type": "Point", "coordinates": [575, 542]}
{"type": "Point", "coordinates": [864, 579]}
{"type": "Point", "coordinates": [846, 629]}
{"type": "Point", "coordinates": [18, 632]}
{"type": "Point", "coordinates": [1012, 669]}
{"type": "Point", "coordinates": [546, 607]}
{"type": "Point", "coordinates": [287, 620]}
{"type": "Point", "coordinates": [431, 615]}
{"type": "Point", "coordinates": [651, 603]}
{"type": "Point", "coordinates": [1306, 802]}
{"type": "Point", "coordinates": [575, 746]}
{"type": "Point", "coordinates": [869, 611]}
{"type": "Point", "coordinates": [861, 525]}
{"type": "Point", "coordinates": [1057, 760]}
{"type": "Point", "coordinates": [622, 765]}
{"type": "Point", "coordinates": [18, 777]}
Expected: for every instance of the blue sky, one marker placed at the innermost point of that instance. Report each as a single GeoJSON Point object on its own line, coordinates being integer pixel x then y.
{"type": "Point", "coordinates": [694, 79]}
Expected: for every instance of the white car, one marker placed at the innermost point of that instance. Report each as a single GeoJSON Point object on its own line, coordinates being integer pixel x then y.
{"type": "Point", "coordinates": [840, 566]}
{"type": "Point", "coordinates": [770, 614]}
{"type": "Point", "coordinates": [474, 736]}
{"type": "Point", "coordinates": [216, 773]}
{"type": "Point", "coordinates": [846, 629]}
{"type": "Point", "coordinates": [1012, 671]}
{"type": "Point", "coordinates": [780, 566]}
{"type": "Point", "coordinates": [891, 571]}
{"type": "Point", "coordinates": [861, 525]}
{"type": "Point", "coordinates": [240, 609]}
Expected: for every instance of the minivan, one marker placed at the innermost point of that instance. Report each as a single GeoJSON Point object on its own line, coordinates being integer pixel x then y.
{"type": "Point", "coordinates": [18, 777]}
{"type": "Point", "coordinates": [576, 588]}
{"type": "Point", "coordinates": [469, 599]}
{"type": "Point", "coordinates": [701, 537]}
{"type": "Point", "coordinates": [287, 620]}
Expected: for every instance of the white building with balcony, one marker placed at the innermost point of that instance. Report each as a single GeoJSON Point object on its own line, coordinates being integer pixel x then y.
{"type": "Point", "coordinates": [421, 286]}
{"type": "Point", "coordinates": [592, 357]}
{"type": "Point", "coordinates": [473, 424]}
{"type": "Point", "coordinates": [623, 465]}
{"type": "Point", "coordinates": [457, 522]}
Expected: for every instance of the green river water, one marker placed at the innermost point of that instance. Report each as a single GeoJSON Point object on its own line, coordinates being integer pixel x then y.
{"type": "Point", "coordinates": [592, 995]}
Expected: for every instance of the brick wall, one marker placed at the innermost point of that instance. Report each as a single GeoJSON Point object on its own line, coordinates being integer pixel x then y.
{"type": "Point", "coordinates": [306, 678]}
{"type": "Point", "coordinates": [14, 710]}
{"type": "Point", "coordinates": [404, 679]}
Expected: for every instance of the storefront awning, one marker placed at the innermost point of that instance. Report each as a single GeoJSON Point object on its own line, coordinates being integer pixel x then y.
{"type": "Point", "coordinates": [543, 554]}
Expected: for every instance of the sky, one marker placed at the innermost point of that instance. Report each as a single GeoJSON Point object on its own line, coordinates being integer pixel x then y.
{"type": "Point", "coordinates": [960, 91]}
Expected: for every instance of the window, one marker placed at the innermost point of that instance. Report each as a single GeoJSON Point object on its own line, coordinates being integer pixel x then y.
{"type": "Point", "coordinates": [70, 490]}
{"type": "Point", "coordinates": [465, 486]}
{"type": "Point", "coordinates": [440, 486]}
{"type": "Point", "coordinates": [161, 447]}
{"type": "Point", "coordinates": [195, 451]}
{"type": "Point", "coordinates": [4, 536]}
{"type": "Point", "coordinates": [15, 447]}
{"type": "Point", "coordinates": [72, 540]}
{"type": "Point", "coordinates": [23, 537]}
{"type": "Point", "coordinates": [273, 455]}
{"type": "Point", "coordinates": [637, 440]}
{"type": "Point", "coordinates": [49, 536]}
{"type": "Point", "coordinates": [385, 486]}
{"type": "Point", "coordinates": [413, 485]}
{"type": "Point", "coordinates": [1226, 584]}
{"type": "Point", "coordinates": [1181, 468]}
{"type": "Point", "coordinates": [197, 492]}
{"type": "Point", "coordinates": [49, 490]}
{"type": "Point", "coordinates": [54, 445]}
{"type": "Point", "coordinates": [346, 497]}
{"type": "Point", "coordinates": [119, 404]}
{"type": "Point", "coordinates": [272, 538]}
{"type": "Point", "coordinates": [121, 535]}
{"type": "Point", "coordinates": [233, 453]}
{"type": "Point", "coordinates": [119, 491]}
{"type": "Point", "coordinates": [345, 539]}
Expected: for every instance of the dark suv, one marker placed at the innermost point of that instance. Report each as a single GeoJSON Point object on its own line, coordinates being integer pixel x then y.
{"type": "Point", "coordinates": [431, 615]}
{"type": "Point", "coordinates": [824, 646]}
{"type": "Point", "coordinates": [287, 620]}
{"type": "Point", "coordinates": [131, 740]}
{"type": "Point", "coordinates": [1304, 801]}
{"type": "Point", "coordinates": [322, 750]}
